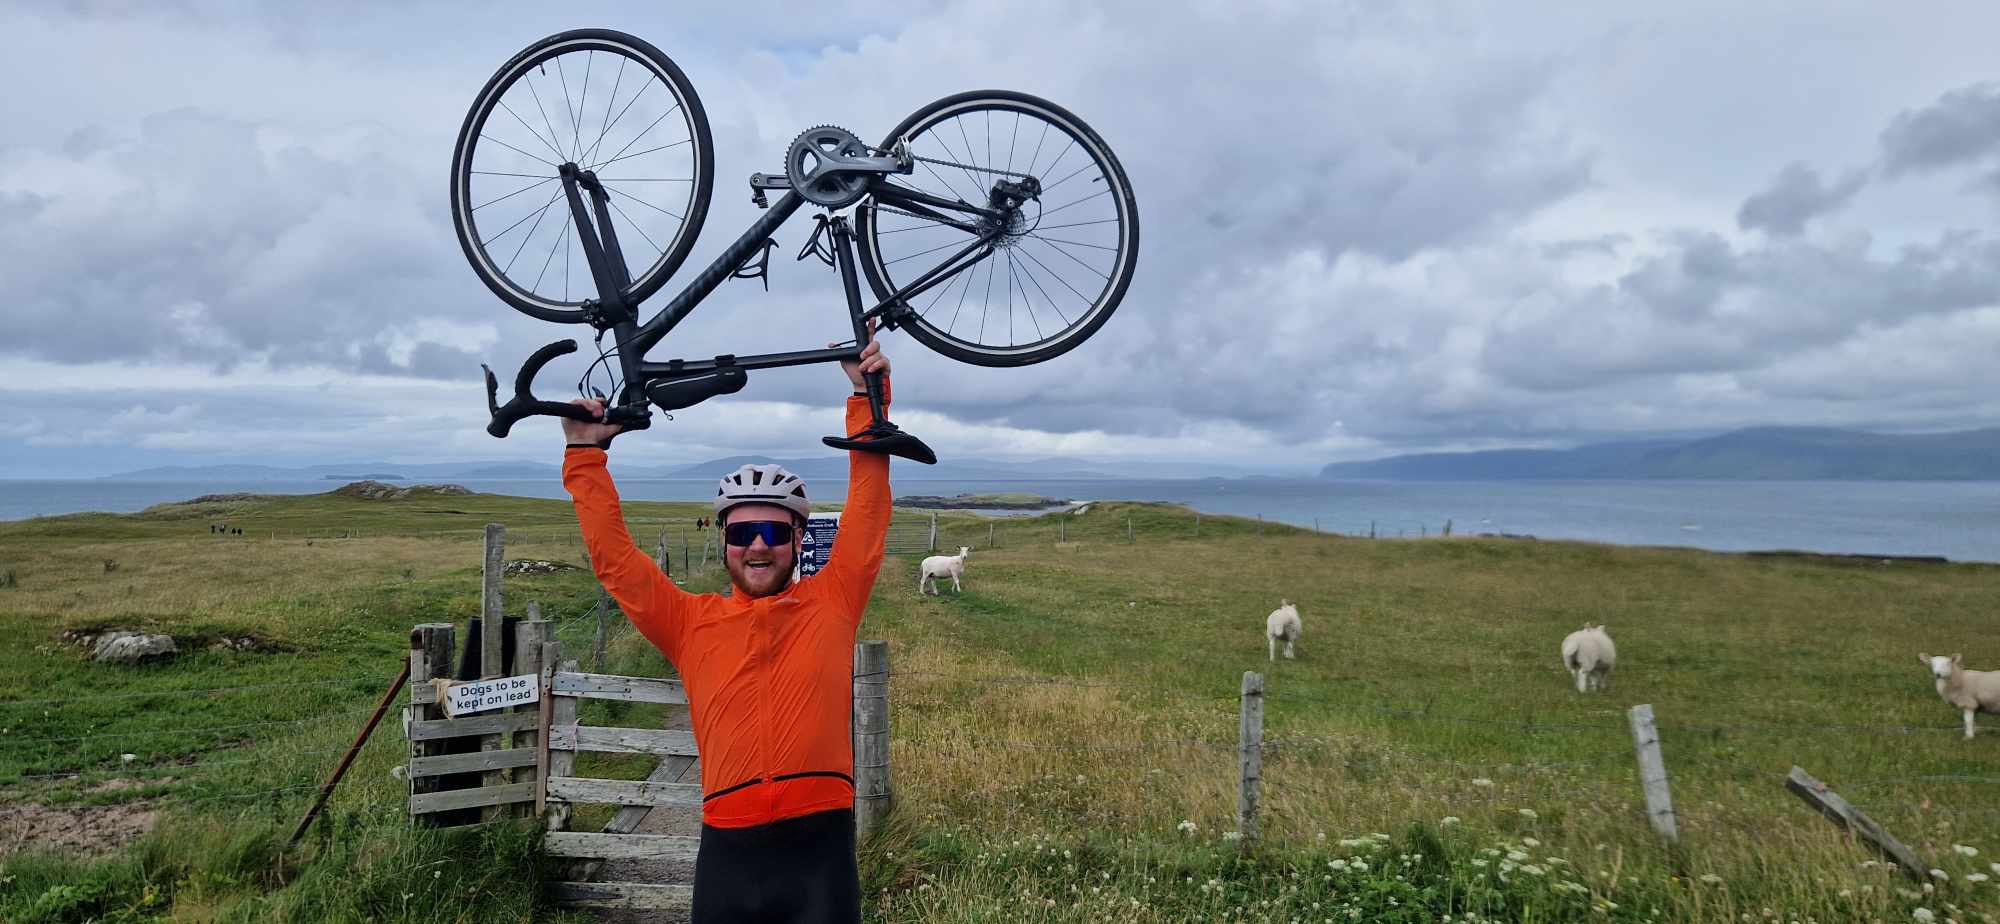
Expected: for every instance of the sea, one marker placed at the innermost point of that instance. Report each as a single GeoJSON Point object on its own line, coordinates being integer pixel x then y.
{"type": "Point", "coordinates": [1958, 520]}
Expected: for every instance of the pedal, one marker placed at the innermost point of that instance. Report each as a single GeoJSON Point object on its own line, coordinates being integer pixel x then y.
{"type": "Point", "coordinates": [885, 438]}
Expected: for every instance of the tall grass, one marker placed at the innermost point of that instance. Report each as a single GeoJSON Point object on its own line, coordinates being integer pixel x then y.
{"type": "Point", "coordinates": [1425, 735]}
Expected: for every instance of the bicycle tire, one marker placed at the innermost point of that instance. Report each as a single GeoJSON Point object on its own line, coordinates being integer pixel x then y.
{"type": "Point", "coordinates": [941, 339]}
{"type": "Point", "coordinates": [647, 280]}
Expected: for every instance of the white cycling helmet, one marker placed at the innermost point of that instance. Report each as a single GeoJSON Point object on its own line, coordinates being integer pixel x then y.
{"type": "Point", "coordinates": [762, 484]}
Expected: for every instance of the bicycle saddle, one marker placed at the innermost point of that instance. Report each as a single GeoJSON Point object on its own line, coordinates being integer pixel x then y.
{"type": "Point", "coordinates": [887, 438]}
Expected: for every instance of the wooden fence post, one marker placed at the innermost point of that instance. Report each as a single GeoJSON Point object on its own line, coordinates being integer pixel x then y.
{"type": "Point", "coordinates": [529, 636]}
{"type": "Point", "coordinates": [660, 555]}
{"type": "Point", "coordinates": [597, 647]}
{"type": "Point", "coordinates": [430, 656]}
{"type": "Point", "coordinates": [1062, 530]}
{"type": "Point", "coordinates": [1371, 529]}
{"type": "Point", "coordinates": [1653, 772]}
{"type": "Point", "coordinates": [1840, 812]}
{"type": "Point", "coordinates": [1129, 537]}
{"type": "Point", "coordinates": [1249, 758]}
{"type": "Point", "coordinates": [1197, 526]}
{"type": "Point", "coordinates": [933, 532]}
{"type": "Point", "coordinates": [872, 794]}
{"type": "Point", "coordinates": [492, 629]}
{"type": "Point", "coordinates": [989, 535]}
{"type": "Point", "coordinates": [562, 714]}
{"type": "Point", "coordinates": [1260, 524]}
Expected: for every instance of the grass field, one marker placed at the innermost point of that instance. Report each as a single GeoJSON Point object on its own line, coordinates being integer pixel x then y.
{"type": "Point", "coordinates": [1064, 732]}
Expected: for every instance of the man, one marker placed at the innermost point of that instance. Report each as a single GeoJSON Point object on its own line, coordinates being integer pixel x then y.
{"type": "Point", "coordinates": [768, 670]}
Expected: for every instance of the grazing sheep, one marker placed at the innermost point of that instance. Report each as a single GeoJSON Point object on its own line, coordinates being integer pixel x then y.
{"type": "Point", "coordinates": [1971, 691]}
{"type": "Point", "coordinates": [937, 566]}
{"type": "Point", "coordinates": [1282, 626]}
{"type": "Point", "coordinates": [1589, 654]}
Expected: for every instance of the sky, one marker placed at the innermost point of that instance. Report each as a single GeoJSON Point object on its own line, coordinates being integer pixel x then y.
{"type": "Point", "coordinates": [1367, 228]}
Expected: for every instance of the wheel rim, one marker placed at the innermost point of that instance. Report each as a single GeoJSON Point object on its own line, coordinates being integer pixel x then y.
{"type": "Point", "coordinates": [1061, 264]}
{"type": "Point", "coordinates": [604, 106]}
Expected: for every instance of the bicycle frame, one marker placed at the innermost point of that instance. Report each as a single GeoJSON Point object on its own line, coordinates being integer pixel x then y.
{"type": "Point", "coordinates": [610, 273]}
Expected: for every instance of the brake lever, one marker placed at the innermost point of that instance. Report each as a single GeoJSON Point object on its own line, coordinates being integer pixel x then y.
{"type": "Point", "coordinates": [524, 404]}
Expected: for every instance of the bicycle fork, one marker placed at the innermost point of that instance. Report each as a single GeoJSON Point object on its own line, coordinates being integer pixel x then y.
{"type": "Point", "coordinates": [881, 435]}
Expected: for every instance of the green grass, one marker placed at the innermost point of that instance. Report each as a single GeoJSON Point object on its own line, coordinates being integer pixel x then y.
{"type": "Point", "coordinates": [1427, 686]}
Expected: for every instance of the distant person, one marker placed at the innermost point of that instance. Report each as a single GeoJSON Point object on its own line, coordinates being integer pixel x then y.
{"type": "Point", "coordinates": [767, 669]}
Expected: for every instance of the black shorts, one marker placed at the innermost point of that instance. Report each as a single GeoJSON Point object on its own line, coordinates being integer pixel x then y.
{"type": "Point", "coordinates": [797, 871]}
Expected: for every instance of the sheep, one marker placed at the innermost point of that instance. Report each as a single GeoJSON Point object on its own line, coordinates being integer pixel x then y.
{"type": "Point", "coordinates": [1282, 626]}
{"type": "Point", "coordinates": [937, 566]}
{"type": "Point", "coordinates": [1589, 654]}
{"type": "Point", "coordinates": [1971, 691]}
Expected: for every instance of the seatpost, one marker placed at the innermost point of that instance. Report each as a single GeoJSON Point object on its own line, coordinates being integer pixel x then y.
{"type": "Point", "coordinates": [843, 249]}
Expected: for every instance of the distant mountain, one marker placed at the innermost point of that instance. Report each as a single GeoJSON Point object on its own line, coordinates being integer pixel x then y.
{"type": "Point", "coordinates": [1759, 453]}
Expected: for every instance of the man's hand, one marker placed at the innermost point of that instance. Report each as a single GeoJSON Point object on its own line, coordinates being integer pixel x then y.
{"type": "Point", "coordinates": [871, 360]}
{"type": "Point", "coordinates": [584, 431]}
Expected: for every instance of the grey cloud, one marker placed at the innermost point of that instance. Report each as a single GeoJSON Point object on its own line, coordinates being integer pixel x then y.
{"type": "Point", "coordinates": [1795, 197]}
{"type": "Point", "coordinates": [1963, 125]}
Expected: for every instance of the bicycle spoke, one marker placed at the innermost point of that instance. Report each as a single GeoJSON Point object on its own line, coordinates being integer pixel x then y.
{"type": "Point", "coordinates": [1025, 299]}
{"type": "Point", "coordinates": [1011, 139]}
{"type": "Point", "coordinates": [1047, 189]}
{"type": "Point", "coordinates": [531, 130]}
{"type": "Point", "coordinates": [1072, 257]}
{"type": "Point", "coordinates": [1078, 224]}
{"type": "Point", "coordinates": [612, 100]}
{"type": "Point", "coordinates": [560, 240]}
{"type": "Point", "coordinates": [958, 120]}
{"type": "Point", "coordinates": [1025, 268]}
{"type": "Point", "coordinates": [529, 79]}
{"type": "Point", "coordinates": [1038, 148]}
{"type": "Point", "coordinates": [922, 252]}
{"type": "Point", "coordinates": [539, 213]}
{"type": "Point", "coordinates": [961, 302]}
{"type": "Point", "coordinates": [566, 106]}
{"type": "Point", "coordinates": [1102, 192]}
{"type": "Point", "coordinates": [642, 231]}
{"type": "Point", "coordinates": [1087, 300]}
{"type": "Point", "coordinates": [1058, 240]}
{"type": "Point", "coordinates": [642, 179]}
{"type": "Point", "coordinates": [940, 178]}
{"type": "Point", "coordinates": [1010, 296]}
{"type": "Point", "coordinates": [532, 176]}
{"type": "Point", "coordinates": [486, 137]}
{"type": "Point", "coordinates": [635, 140]}
{"type": "Point", "coordinates": [511, 194]}
{"type": "Point", "coordinates": [621, 114]}
{"type": "Point", "coordinates": [524, 218]}
{"type": "Point", "coordinates": [588, 57]}
{"type": "Point", "coordinates": [987, 304]}
{"type": "Point", "coordinates": [644, 203]}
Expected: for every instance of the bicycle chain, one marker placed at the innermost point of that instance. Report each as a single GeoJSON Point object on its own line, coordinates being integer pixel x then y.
{"type": "Point", "coordinates": [946, 163]}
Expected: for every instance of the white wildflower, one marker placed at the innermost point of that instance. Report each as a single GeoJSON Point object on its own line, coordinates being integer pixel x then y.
{"type": "Point", "coordinates": [1965, 851]}
{"type": "Point", "coordinates": [1448, 820]}
{"type": "Point", "coordinates": [1923, 916]}
{"type": "Point", "coordinates": [1482, 781]}
{"type": "Point", "coordinates": [1940, 875]}
{"type": "Point", "coordinates": [1232, 835]}
{"type": "Point", "coordinates": [1711, 878]}
{"type": "Point", "coordinates": [1976, 877]}
{"type": "Point", "coordinates": [1529, 814]}
{"type": "Point", "coordinates": [1531, 842]}
{"type": "Point", "coordinates": [1188, 827]}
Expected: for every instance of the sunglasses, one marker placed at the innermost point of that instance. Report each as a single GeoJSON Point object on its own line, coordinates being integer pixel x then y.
{"type": "Point", "coordinates": [743, 534]}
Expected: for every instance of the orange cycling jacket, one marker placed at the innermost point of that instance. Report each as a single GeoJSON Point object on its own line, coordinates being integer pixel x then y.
{"type": "Point", "coordinates": [769, 680]}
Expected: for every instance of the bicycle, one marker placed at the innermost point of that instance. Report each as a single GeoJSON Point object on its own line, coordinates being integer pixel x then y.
{"type": "Point", "coordinates": [515, 143]}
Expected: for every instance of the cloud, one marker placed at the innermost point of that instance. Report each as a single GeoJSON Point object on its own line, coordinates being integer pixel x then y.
{"type": "Point", "coordinates": [1795, 197]}
{"type": "Point", "coordinates": [1962, 126]}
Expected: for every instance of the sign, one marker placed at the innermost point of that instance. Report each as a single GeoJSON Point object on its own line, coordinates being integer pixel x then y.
{"type": "Point", "coordinates": [498, 693]}
{"type": "Point", "coordinates": [816, 546]}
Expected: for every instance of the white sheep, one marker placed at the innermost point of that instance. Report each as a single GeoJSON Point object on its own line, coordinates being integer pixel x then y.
{"type": "Point", "coordinates": [1589, 654]}
{"type": "Point", "coordinates": [937, 566]}
{"type": "Point", "coordinates": [1282, 626]}
{"type": "Point", "coordinates": [1971, 691]}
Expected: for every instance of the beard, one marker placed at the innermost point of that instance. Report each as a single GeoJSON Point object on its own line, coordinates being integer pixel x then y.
{"type": "Point", "coordinates": [762, 581]}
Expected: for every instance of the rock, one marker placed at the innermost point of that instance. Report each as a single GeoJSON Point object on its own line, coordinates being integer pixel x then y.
{"type": "Point", "coordinates": [375, 490]}
{"type": "Point", "coordinates": [532, 566]}
{"type": "Point", "coordinates": [132, 647]}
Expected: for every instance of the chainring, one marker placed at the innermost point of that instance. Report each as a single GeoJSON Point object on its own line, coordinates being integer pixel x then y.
{"type": "Point", "coordinates": [812, 164]}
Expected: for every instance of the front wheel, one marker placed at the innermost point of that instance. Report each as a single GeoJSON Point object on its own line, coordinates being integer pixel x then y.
{"type": "Point", "coordinates": [1061, 261]}
{"type": "Point", "coordinates": [602, 101]}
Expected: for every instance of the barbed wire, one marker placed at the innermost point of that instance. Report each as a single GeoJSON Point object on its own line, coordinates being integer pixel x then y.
{"type": "Point", "coordinates": [188, 729]}
{"type": "Point", "coordinates": [201, 692]}
{"type": "Point", "coordinates": [1428, 715]}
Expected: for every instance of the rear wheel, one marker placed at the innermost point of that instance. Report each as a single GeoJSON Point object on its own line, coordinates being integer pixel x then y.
{"type": "Point", "coordinates": [608, 102]}
{"type": "Point", "coordinates": [1059, 266]}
